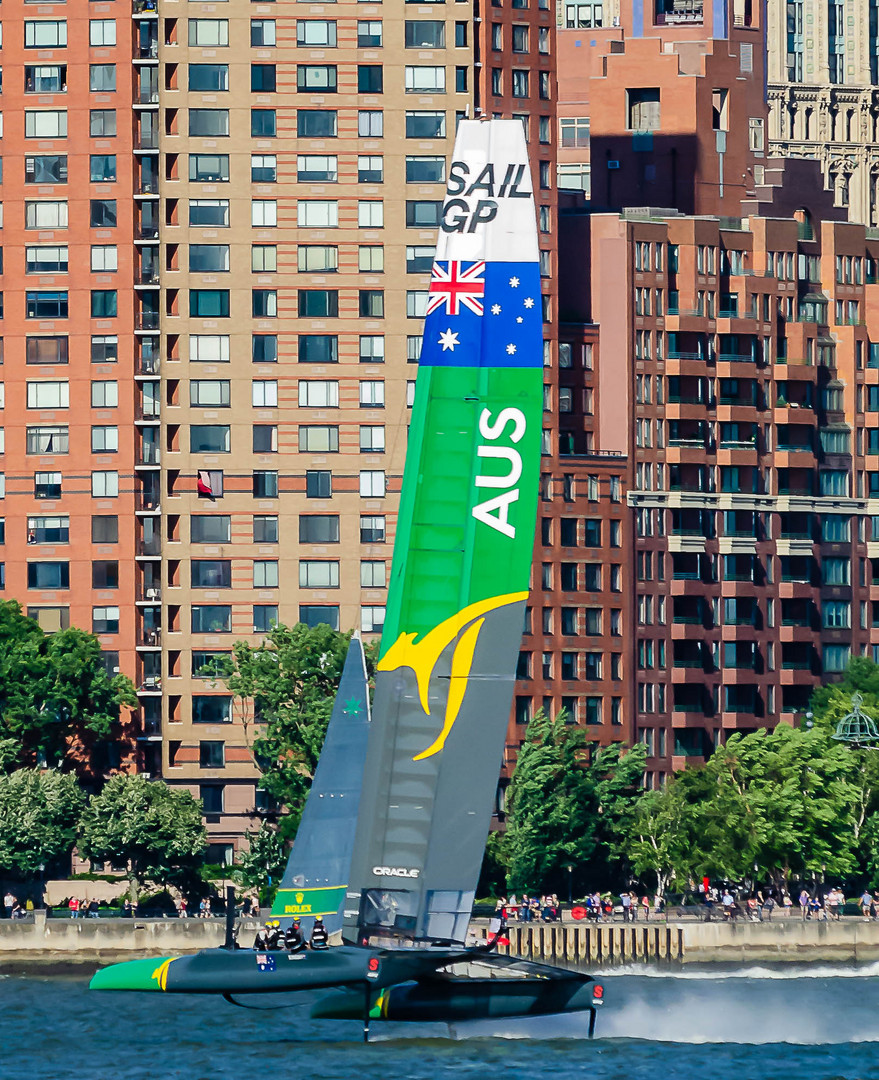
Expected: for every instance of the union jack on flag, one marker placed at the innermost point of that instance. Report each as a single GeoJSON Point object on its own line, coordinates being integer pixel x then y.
{"type": "Point", "coordinates": [456, 283]}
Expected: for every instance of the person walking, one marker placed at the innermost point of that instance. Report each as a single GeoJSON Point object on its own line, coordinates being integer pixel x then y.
{"type": "Point", "coordinates": [804, 904]}
{"type": "Point", "coordinates": [866, 903]}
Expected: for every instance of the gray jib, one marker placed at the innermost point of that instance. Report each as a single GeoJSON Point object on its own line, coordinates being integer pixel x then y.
{"type": "Point", "coordinates": [321, 855]}
{"type": "Point", "coordinates": [423, 824]}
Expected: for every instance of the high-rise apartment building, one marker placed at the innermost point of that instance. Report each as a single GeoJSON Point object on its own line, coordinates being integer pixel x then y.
{"type": "Point", "coordinates": [220, 222]}
{"type": "Point", "coordinates": [823, 72]}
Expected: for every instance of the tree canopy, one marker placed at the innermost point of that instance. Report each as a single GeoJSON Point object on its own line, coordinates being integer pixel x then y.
{"type": "Point", "coordinates": [156, 829]}
{"type": "Point", "coordinates": [39, 818]}
{"type": "Point", "coordinates": [57, 699]}
{"type": "Point", "coordinates": [284, 690]}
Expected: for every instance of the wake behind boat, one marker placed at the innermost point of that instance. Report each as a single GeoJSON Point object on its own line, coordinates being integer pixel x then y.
{"type": "Point", "coordinates": [406, 799]}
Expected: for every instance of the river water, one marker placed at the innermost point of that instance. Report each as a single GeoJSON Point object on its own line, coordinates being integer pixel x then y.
{"type": "Point", "coordinates": [811, 1024]}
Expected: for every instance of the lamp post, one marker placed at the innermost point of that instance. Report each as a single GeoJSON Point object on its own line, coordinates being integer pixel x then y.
{"type": "Point", "coordinates": [570, 869]}
{"type": "Point", "coordinates": [42, 902]}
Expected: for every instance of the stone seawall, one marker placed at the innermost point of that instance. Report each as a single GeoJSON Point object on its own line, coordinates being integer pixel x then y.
{"type": "Point", "coordinates": [62, 943]}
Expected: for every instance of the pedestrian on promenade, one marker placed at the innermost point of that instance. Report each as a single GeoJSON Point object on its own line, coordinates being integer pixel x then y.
{"type": "Point", "coordinates": [766, 908]}
{"type": "Point", "coordinates": [9, 903]}
{"type": "Point", "coordinates": [645, 904]}
{"type": "Point", "coordinates": [866, 903]}
{"type": "Point", "coordinates": [626, 901]}
{"type": "Point", "coordinates": [804, 904]}
{"type": "Point", "coordinates": [73, 907]}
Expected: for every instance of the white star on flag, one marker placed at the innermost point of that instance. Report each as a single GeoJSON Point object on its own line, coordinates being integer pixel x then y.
{"type": "Point", "coordinates": [514, 281]}
{"type": "Point", "coordinates": [495, 309]}
{"type": "Point", "coordinates": [529, 303]}
{"type": "Point", "coordinates": [448, 340]}
{"type": "Point", "coordinates": [519, 319]}
{"type": "Point", "coordinates": [511, 349]}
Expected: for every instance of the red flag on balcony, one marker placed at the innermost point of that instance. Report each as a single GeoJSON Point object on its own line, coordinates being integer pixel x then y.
{"type": "Point", "coordinates": [205, 491]}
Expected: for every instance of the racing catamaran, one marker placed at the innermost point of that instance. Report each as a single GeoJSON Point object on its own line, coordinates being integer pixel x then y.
{"type": "Point", "coordinates": [424, 786]}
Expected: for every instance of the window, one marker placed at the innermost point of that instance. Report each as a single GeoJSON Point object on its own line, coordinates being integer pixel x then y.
{"type": "Point", "coordinates": [209, 439]}
{"type": "Point", "coordinates": [104, 258]}
{"type": "Point", "coordinates": [372, 619]}
{"type": "Point", "coordinates": [46, 350]}
{"type": "Point", "coordinates": [317, 78]}
{"type": "Point", "coordinates": [372, 439]}
{"type": "Point", "coordinates": [263, 168]}
{"type": "Point", "coordinates": [265, 393]}
{"type": "Point", "coordinates": [211, 710]}
{"type": "Point", "coordinates": [317, 168]}
{"type": "Point", "coordinates": [265, 616]}
{"type": "Point", "coordinates": [47, 439]}
{"type": "Point", "coordinates": [372, 349]}
{"type": "Point", "coordinates": [425, 125]}
{"type": "Point", "coordinates": [370, 123]}
{"type": "Point", "coordinates": [423, 214]}
{"type": "Point", "coordinates": [319, 529]}
{"type": "Point", "coordinates": [48, 575]}
{"type": "Point", "coordinates": [105, 574]}
{"type": "Point", "coordinates": [211, 618]}
{"type": "Point", "coordinates": [105, 439]}
{"type": "Point", "coordinates": [263, 123]}
{"type": "Point", "coordinates": [208, 258]}
{"type": "Point", "coordinates": [209, 212]}
{"type": "Point", "coordinates": [574, 132]}
{"type": "Point", "coordinates": [318, 484]}
{"type": "Point", "coordinates": [103, 303]}
{"type": "Point", "coordinates": [318, 394]}
{"type": "Point", "coordinates": [755, 134]}
{"type": "Point", "coordinates": [105, 620]}
{"type": "Point", "coordinates": [211, 755]}
{"type": "Point", "coordinates": [370, 215]}
{"type": "Point", "coordinates": [264, 303]}
{"type": "Point", "coordinates": [371, 303]}
{"type": "Point", "coordinates": [318, 574]}
{"type": "Point", "coordinates": [210, 393]}
{"type": "Point", "coordinates": [314, 213]}
{"type": "Point", "coordinates": [369, 78]}
{"type": "Point", "coordinates": [372, 394]}
{"type": "Point", "coordinates": [211, 573]}
{"type": "Point", "coordinates": [370, 169]}
{"type": "Point", "coordinates": [47, 485]}
{"type": "Point", "coordinates": [520, 83]}
{"type": "Point", "coordinates": [425, 34]}
{"type": "Point", "coordinates": [265, 529]}
{"type": "Point", "coordinates": [45, 123]}
{"type": "Point", "coordinates": [208, 78]}
{"type": "Point", "coordinates": [262, 32]}
{"type": "Point", "coordinates": [45, 33]}
{"type": "Point", "coordinates": [319, 615]}
{"type": "Point", "coordinates": [316, 123]}
{"type": "Point", "coordinates": [48, 395]}
{"type": "Point", "coordinates": [102, 32]}
{"type": "Point", "coordinates": [643, 109]}
{"type": "Point", "coordinates": [105, 395]}
{"type": "Point", "coordinates": [320, 32]}
{"type": "Point", "coordinates": [420, 79]}
{"type": "Point", "coordinates": [265, 484]}
{"type": "Point", "coordinates": [46, 169]}
{"type": "Point", "coordinates": [315, 258]}
{"type": "Point", "coordinates": [209, 168]}
{"type": "Point", "coordinates": [48, 530]}
{"type": "Point", "coordinates": [45, 260]}
{"type": "Point", "coordinates": [209, 348]}
{"type": "Point", "coordinates": [369, 34]}
{"type": "Point", "coordinates": [372, 529]}
{"type": "Point", "coordinates": [419, 260]}
{"type": "Point", "coordinates": [210, 123]}
{"type": "Point", "coordinates": [373, 484]}
{"type": "Point", "coordinates": [373, 574]}
{"type": "Point", "coordinates": [209, 303]}
{"type": "Point", "coordinates": [45, 215]}
{"type": "Point", "coordinates": [318, 438]}
{"type": "Point", "coordinates": [102, 213]}
{"type": "Point", "coordinates": [102, 168]}
{"type": "Point", "coordinates": [318, 349]}
{"type": "Point", "coordinates": [211, 32]}
{"type": "Point", "coordinates": [102, 122]}
{"type": "Point", "coordinates": [425, 170]}
{"type": "Point", "coordinates": [207, 664]}
{"type": "Point", "coordinates": [210, 528]}
{"type": "Point", "coordinates": [264, 258]}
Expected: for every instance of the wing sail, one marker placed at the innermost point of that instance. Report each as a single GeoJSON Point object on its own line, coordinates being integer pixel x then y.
{"type": "Point", "coordinates": [316, 878]}
{"type": "Point", "coordinates": [462, 557]}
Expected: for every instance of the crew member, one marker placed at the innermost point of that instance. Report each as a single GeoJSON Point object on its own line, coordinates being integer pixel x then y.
{"type": "Point", "coordinates": [261, 941]}
{"type": "Point", "coordinates": [320, 939]}
{"type": "Point", "coordinates": [275, 938]}
{"type": "Point", "coordinates": [293, 940]}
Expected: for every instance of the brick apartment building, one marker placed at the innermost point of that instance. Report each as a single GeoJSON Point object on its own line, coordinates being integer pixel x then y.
{"type": "Point", "coordinates": [738, 343]}
{"type": "Point", "coordinates": [245, 200]}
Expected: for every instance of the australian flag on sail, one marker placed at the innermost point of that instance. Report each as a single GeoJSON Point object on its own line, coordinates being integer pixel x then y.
{"type": "Point", "coordinates": [483, 314]}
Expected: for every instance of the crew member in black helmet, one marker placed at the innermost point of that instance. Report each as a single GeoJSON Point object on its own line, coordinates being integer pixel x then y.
{"type": "Point", "coordinates": [293, 941]}
{"type": "Point", "coordinates": [320, 939]}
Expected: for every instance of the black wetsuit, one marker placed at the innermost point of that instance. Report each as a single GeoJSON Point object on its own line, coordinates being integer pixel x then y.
{"type": "Point", "coordinates": [293, 940]}
{"type": "Point", "coordinates": [320, 939]}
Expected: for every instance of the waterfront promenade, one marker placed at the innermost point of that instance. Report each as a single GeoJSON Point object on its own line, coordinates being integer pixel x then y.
{"type": "Point", "coordinates": [57, 944]}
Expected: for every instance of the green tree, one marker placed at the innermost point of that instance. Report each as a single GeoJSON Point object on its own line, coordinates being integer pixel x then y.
{"type": "Point", "coordinates": [39, 816]}
{"type": "Point", "coordinates": [284, 690]}
{"type": "Point", "coordinates": [566, 804]}
{"type": "Point", "coordinates": [262, 865]}
{"type": "Point", "coordinates": [57, 700]}
{"type": "Point", "coordinates": [157, 830]}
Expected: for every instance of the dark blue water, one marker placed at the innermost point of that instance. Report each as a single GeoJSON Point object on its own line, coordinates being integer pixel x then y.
{"type": "Point", "coordinates": [819, 1025]}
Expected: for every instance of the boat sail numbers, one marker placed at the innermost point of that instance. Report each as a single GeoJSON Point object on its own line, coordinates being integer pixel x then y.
{"type": "Point", "coordinates": [462, 555]}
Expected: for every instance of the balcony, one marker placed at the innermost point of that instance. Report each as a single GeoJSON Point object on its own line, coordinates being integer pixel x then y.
{"type": "Point", "coordinates": [147, 320]}
{"type": "Point", "coordinates": [148, 365]}
{"type": "Point", "coordinates": [145, 7]}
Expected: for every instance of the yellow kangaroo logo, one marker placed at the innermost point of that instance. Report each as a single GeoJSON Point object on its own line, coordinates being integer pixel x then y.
{"type": "Point", "coordinates": [161, 973]}
{"type": "Point", "coordinates": [423, 656]}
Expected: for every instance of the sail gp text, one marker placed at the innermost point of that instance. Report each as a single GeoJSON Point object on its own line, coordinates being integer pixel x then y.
{"type": "Point", "coordinates": [461, 215]}
{"type": "Point", "coordinates": [495, 512]}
